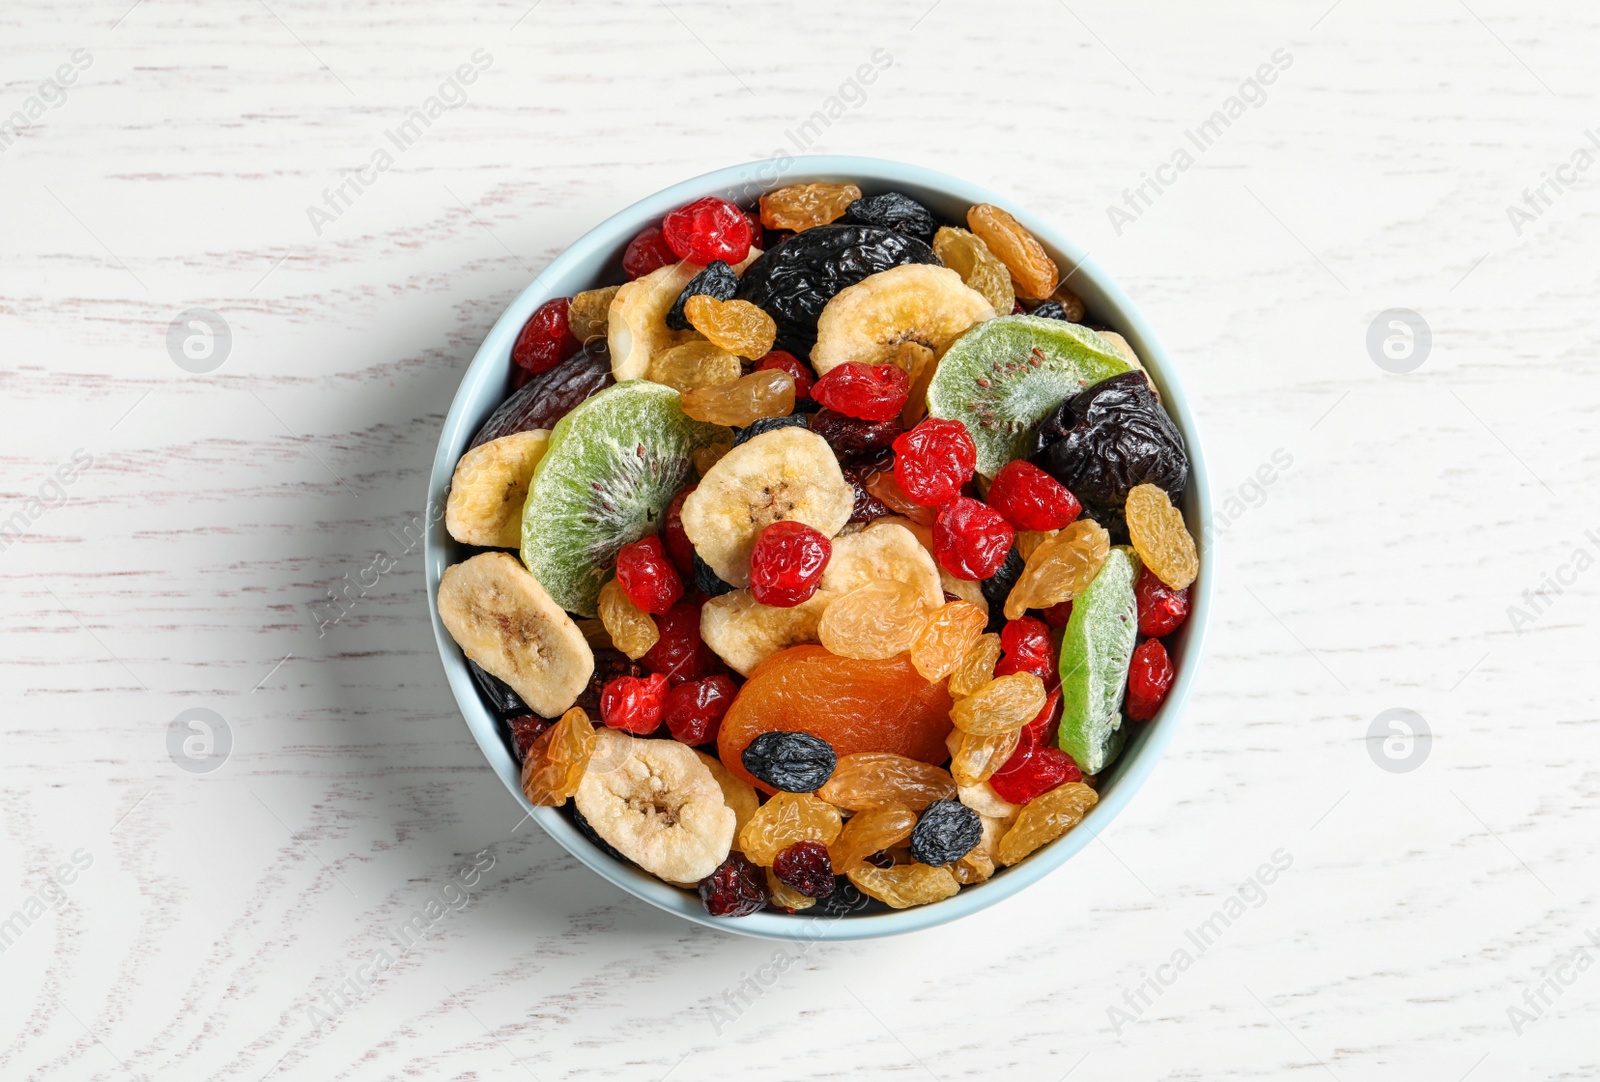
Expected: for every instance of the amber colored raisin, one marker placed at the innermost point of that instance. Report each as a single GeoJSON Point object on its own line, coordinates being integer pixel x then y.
{"type": "Point", "coordinates": [1028, 541]}
{"type": "Point", "coordinates": [905, 885]}
{"type": "Point", "coordinates": [967, 255]}
{"type": "Point", "coordinates": [588, 313]}
{"type": "Point", "coordinates": [869, 832]}
{"type": "Point", "coordinates": [736, 326]}
{"type": "Point", "coordinates": [765, 393]}
{"type": "Point", "coordinates": [783, 896]}
{"type": "Point", "coordinates": [944, 640]}
{"type": "Point", "coordinates": [978, 865]}
{"type": "Point", "coordinates": [1004, 704]}
{"type": "Point", "coordinates": [975, 759]}
{"type": "Point", "coordinates": [632, 630]}
{"type": "Point", "coordinates": [920, 362]}
{"type": "Point", "coordinates": [785, 819]}
{"type": "Point", "coordinates": [805, 206]}
{"type": "Point", "coordinates": [876, 620]}
{"type": "Point", "coordinates": [1044, 819]}
{"type": "Point", "coordinates": [1160, 537]}
{"type": "Point", "coordinates": [1032, 270]}
{"type": "Point", "coordinates": [976, 667]}
{"type": "Point", "coordinates": [709, 455]}
{"type": "Point", "coordinates": [557, 760]}
{"type": "Point", "coordinates": [694, 364]}
{"type": "Point", "coordinates": [1060, 569]}
{"type": "Point", "coordinates": [887, 491]}
{"type": "Point", "coordinates": [869, 779]}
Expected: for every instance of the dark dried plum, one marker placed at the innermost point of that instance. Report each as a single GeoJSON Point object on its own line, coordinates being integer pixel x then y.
{"type": "Point", "coordinates": [544, 400]}
{"type": "Point", "coordinates": [997, 587]}
{"type": "Point", "coordinates": [525, 729]}
{"type": "Point", "coordinates": [946, 831]}
{"type": "Point", "coordinates": [496, 692]}
{"type": "Point", "coordinates": [852, 435]}
{"type": "Point", "coordinates": [717, 280]}
{"type": "Point", "coordinates": [707, 581]}
{"type": "Point", "coordinates": [1103, 441]}
{"type": "Point", "coordinates": [792, 761]}
{"type": "Point", "coordinates": [593, 835]}
{"type": "Point", "coordinates": [893, 210]}
{"type": "Point", "coordinates": [764, 425]}
{"type": "Point", "coordinates": [795, 280]}
{"type": "Point", "coordinates": [736, 889]}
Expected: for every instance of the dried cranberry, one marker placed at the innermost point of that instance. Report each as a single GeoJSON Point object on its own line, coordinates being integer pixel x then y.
{"type": "Point", "coordinates": [1057, 615]}
{"type": "Point", "coordinates": [647, 576]}
{"type": "Point", "coordinates": [694, 710]}
{"type": "Point", "coordinates": [786, 563]}
{"type": "Point", "coordinates": [525, 729]}
{"type": "Point", "coordinates": [647, 252]}
{"type": "Point", "coordinates": [805, 867]}
{"type": "Point", "coordinates": [1033, 770]}
{"type": "Point", "coordinates": [970, 539]}
{"type": "Point", "coordinates": [679, 655]}
{"type": "Point", "coordinates": [679, 548]}
{"type": "Point", "coordinates": [867, 506]}
{"type": "Point", "coordinates": [736, 889]}
{"type": "Point", "coordinates": [871, 392]}
{"type": "Point", "coordinates": [1046, 724]}
{"type": "Point", "coordinates": [633, 703]}
{"type": "Point", "coordinates": [804, 378]}
{"type": "Point", "coordinates": [545, 340]}
{"type": "Point", "coordinates": [1028, 648]}
{"type": "Point", "coordinates": [1149, 677]}
{"type": "Point", "coordinates": [850, 435]}
{"type": "Point", "coordinates": [1031, 499]}
{"type": "Point", "coordinates": [933, 461]}
{"type": "Point", "coordinates": [1162, 610]}
{"type": "Point", "coordinates": [706, 230]}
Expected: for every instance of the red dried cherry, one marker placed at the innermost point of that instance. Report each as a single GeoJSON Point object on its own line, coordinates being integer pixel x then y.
{"type": "Point", "coordinates": [647, 577]}
{"type": "Point", "coordinates": [970, 539]}
{"type": "Point", "coordinates": [933, 461]}
{"type": "Point", "coordinates": [805, 867]}
{"type": "Point", "coordinates": [706, 230]}
{"type": "Point", "coordinates": [694, 710]}
{"type": "Point", "coordinates": [1031, 499]}
{"type": "Point", "coordinates": [736, 889]}
{"type": "Point", "coordinates": [1057, 615]}
{"type": "Point", "coordinates": [679, 655]}
{"type": "Point", "coordinates": [1162, 610]}
{"type": "Point", "coordinates": [804, 378]}
{"type": "Point", "coordinates": [871, 392]}
{"type": "Point", "coordinates": [1033, 770]}
{"type": "Point", "coordinates": [1043, 729]}
{"type": "Point", "coordinates": [786, 563]}
{"type": "Point", "coordinates": [679, 548]}
{"type": "Point", "coordinates": [1149, 677]}
{"type": "Point", "coordinates": [1028, 648]}
{"type": "Point", "coordinates": [545, 340]}
{"type": "Point", "coordinates": [647, 252]}
{"type": "Point", "coordinates": [634, 703]}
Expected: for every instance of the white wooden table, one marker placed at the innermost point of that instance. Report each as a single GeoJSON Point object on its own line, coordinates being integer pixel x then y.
{"type": "Point", "coordinates": [344, 896]}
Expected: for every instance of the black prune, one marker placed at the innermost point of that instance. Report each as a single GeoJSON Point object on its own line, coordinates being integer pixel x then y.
{"type": "Point", "coordinates": [593, 835]}
{"type": "Point", "coordinates": [852, 435]}
{"type": "Point", "coordinates": [496, 692]}
{"type": "Point", "coordinates": [544, 400]}
{"type": "Point", "coordinates": [997, 587]}
{"type": "Point", "coordinates": [707, 580]}
{"type": "Point", "coordinates": [763, 425]}
{"type": "Point", "coordinates": [896, 211]}
{"type": "Point", "coordinates": [736, 889]}
{"type": "Point", "coordinates": [946, 831]}
{"type": "Point", "coordinates": [791, 761]}
{"type": "Point", "coordinates": [1103, 441]}
{"type": "Point", "coordinates": [793, 281]}
{"type": "Point", "coordinates": [717, 280]}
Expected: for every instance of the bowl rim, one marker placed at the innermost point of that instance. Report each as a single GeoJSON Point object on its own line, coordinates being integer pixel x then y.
{"type": "Point", "coordinates": [485, 375]}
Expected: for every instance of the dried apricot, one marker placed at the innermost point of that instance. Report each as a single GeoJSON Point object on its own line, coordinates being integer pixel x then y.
{"type": "Point", "coordinates": [976, 667]}
{"type": "Point", "coordinates": [869, 779]}
{"type": "Point", "coordinates": [905, 885]}
{"type": "Point", "coordinates": [1004, 704]}
{"type": "Point", "coordinates": [870, 832]}
{"type": "Point", "coordinates": [767, 392]}
{"type": "Point", "coordinates": [557, 760]}
{"type": "Point", "coordinates": [1044, 819]}
{"type": "Point", "coordinates": [876, 620]}
{"type": "Point", "coordinates": [945, 639]}
{"type": "Point", "coordinates": [694, 364]}
{"type": "Point", "coordinates": [1060, 569]}
{"type": "Point", "coordinates": [736, 326]}
{"type": "Point", "coordinates": [975, 759]}
{"type": "Point", "coordinates": [632, 630]}
{"type": "Point", "coordinates": [785, 819]}
{"type": "Point", "coordinates": [805, 206]}
{"type": "Point", "coordinates": [1032, 270]}
{"type": "Point", "coordinates": [1160, 537]}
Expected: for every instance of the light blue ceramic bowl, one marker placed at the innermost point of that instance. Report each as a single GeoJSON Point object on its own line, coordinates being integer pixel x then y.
{"type": "Point", "coordinates": [595, 259]}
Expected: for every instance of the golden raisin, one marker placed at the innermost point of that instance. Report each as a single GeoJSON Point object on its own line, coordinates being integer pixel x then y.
{"type": "Point", "coordinates": [785, 819]}
{"type": "Point", "coordinates": [976, 667]}
{"type": "Point", "coordinates": [694, 364]}
{"type": "Point", "coordinates": [873, 622]}
{"type": "Point", "coordinates": [1060, 569]}
{"type": "Point", "coordinates": [1003, 704]}
{"type": "Point", "coordinates": [766, 393]}
{"type": "Point", "coordinates": [557, 760]}
{"type": "Point", "coordinates": [706, 457]}
{"type": "Point", "coordinates": [975, 759]}
{"type": "Point", "coordinates": [785, 896]}
{"type": "Point", "coordinates": [736, 326]}
{"type": "Point", "coordinates": [887, 490]}
{"type": "Point", "coordinates": [632, 630]}
{"type": "Point", "coordinates": [1160, 537]}
{"type": "Point", "coordinates": [945, 639]}
{"type": "Point", "coordinates": [587, 312]}
{"type": "Point", "coordinates": [1044, 819]}
{"type": "Point", "coordinates": [980, 269]}
{"type": "Point", "coordinates": [919, 363]}
{"type": "Point", "coordinates": [1032, 270]}
{"type": "Point", "coordinates": [804, 206]}
{"type": "Point", "coordinates": [869, 779]}
{"type": "Point", "coordinates": [905, 885]}
{"type": "Point", "coordinates": [870, 832]}
{"type": "Point", "coordinates": [1030, 540]}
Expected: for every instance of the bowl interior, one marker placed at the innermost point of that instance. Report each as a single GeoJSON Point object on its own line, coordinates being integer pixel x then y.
{"type": "Point", "coordinates": [595, 259]}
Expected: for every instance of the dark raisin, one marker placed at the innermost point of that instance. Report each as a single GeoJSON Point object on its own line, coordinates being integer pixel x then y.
{"type": "Point", "coordinates": [496, 692]}
{"type": "Point", "coordinates": [895, 211]}
{"type": "Point", "coordinates": [997, 587]}
{"type": "Point", "coordinates": [736, 889]}
{"type": "Point", "coordinates": [525, 729]}
{"type": "Point", "coordinates": [794, 281]}
{"type": "Point", "coordinates": [867, 506]}
{"type": "Point", "coordinates": [947, 831]}
{"type": "Point", "coordinates": [806, 867]}
{"type": "Point", "coordinates": [589, 832]}
{"type": "Point", "coordinates": [1050, 310]}
{"type": "Point", "coordinates": [544, 400]}
{"type": "Point", "coordinates": [844, 900]}
{"type": "Point", "coordinates": [766, 424]}
{"type": "Point", "coordinates": [706, 580]}
{"type": "Point", "coordinates": [1103, 441]}
{"type": "Point", "coordinates": [866, 463]}
{"type": "Point", "coordinates": [851, 435]}
{"type": "Point", "coordinates": [792, 761]}
{"type": "Point", "coordinates": [717, 280]}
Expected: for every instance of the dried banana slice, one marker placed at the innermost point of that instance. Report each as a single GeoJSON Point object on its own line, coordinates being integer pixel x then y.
{"type": "Point", "coordinates": [658, 805]}
{"type": "Point", "coordinates": [884, 550]}
{"type": "Point", "coordinates": [636, 322]}
{"type": "Point", "coordinates": [489, 487]}
{"type": "Point", "coordinates": [874, 319]}
{"type": "Point", "coordinates": [502, 618]}
{"type": "Point", "coordinates": [744, 632]}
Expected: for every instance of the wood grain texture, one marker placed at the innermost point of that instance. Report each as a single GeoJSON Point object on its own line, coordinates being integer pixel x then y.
{"type": "Point", "coordinates": [179, 569]}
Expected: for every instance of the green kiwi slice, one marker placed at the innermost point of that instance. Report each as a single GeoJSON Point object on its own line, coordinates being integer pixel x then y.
{"type": "Point", "coordinates": [1004, 376]}
{"type": "Point", "coordinates": [1096, 649]}
{"type": "Point", "coordinates": [613, 465]}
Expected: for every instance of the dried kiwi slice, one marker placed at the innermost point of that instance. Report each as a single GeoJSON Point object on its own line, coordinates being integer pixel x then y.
{"type": "Point", "coordinates": [1005, 376]}
{"type": "Point", "coordinates": [1096, 648]}
{"type": "Point", "coordinates": [612, 466]}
